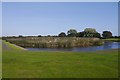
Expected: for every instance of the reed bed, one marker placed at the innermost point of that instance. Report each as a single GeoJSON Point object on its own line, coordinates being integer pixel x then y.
{"type": "Point", "coordinates": [55, 42]}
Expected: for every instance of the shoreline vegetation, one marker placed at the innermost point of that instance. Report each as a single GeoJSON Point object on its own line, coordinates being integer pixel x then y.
{"type": "Point", "coordinates": [112, 39]}
{"type": "Point", "coordinates": [73, 38]}
{"type": "Point", "coordinates": [55, 42]}
{"type": "Point", "coordinates": [19, 63]}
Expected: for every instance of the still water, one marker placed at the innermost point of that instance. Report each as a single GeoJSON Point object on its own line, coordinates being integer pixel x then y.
{"type": "Point", "coordinates": [106, 46]}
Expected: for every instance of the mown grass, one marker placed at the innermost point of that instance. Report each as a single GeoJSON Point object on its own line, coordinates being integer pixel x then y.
{"type": "Point", "coordinates": [31, 64]}
{"type": "Point", "coordinates": [0, 59]}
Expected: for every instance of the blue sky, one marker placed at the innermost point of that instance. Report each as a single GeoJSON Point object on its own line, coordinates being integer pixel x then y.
{"type": "Point", "coordinates": [51, 18]}
{"type": "Point", "coordinates": [0, 19]}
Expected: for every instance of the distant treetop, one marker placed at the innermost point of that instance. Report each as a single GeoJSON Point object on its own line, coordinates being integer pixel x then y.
{"type": "Point", "coordinates": [90, 30]}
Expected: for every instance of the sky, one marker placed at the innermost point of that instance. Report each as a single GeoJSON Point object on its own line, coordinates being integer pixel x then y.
{"type": "Point", "coordinates": [0, 19]}
{"type": "Point", "coordinates": [51, 18]}
{"type": "Point", "coordinates": [59, 0]}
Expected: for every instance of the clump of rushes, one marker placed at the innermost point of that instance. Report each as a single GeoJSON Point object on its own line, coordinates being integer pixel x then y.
{"type": "Point", "coordinates": [55, 42]}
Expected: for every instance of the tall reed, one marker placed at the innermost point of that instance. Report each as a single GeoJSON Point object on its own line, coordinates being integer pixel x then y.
{"type": "Point", "coordinates": [55, 42]}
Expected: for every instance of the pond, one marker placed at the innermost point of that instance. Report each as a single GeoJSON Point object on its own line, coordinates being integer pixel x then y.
{"type": "Point", "coordinates": [106, 46]}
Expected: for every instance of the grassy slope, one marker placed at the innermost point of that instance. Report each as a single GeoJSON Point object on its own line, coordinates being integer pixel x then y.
{"type": "Point", "coordinates": [12, 46]}
{"type": "Point", "coordinates": [20, 63]}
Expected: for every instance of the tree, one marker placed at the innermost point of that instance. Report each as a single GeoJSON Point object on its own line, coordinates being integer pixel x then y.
{"type": "Point", "coordinates": [80, 34]}
{"type": "Point", "coordinates": [90, 30]}
{"type": "Point", "coordinates": [39, 36]}
{"type": "Point", "coordinates": [97, 35]}
{"type": "Point", "coordinates": [62, 34]}
{"type": "Point", "coordinates": [20, 36]}
{"type": "Point", "coordinates": [72, 33]}
{"type": "Point", "coordinates": [106, 34]}
{"type": "Point", "coordinates": [48, 36]}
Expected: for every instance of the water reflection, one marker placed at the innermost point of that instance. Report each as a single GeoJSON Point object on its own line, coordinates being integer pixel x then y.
{"type": "Point", "coordinates": [106, 46]}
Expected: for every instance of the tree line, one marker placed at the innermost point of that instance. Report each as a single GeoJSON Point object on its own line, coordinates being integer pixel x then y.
{"type": "Point", "coordinates": [88, 32]}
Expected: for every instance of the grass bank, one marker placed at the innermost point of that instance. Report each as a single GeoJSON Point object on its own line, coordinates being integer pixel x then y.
{"type": "Point", "coordinates": [112, 39]}
{"type": "Point", "coordinates": [19, 63]}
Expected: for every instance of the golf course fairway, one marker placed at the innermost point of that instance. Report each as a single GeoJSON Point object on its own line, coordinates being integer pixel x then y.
{"type": "Point", "coordinates": [20, 63]}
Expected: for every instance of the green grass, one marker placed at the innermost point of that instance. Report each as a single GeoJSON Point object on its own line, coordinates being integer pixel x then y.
{"type": "Point", "coordinates": [0, 60]}
{"type": "Point", "coordinates": [12, 46]}
{"type": "Point", "coordinates": [30, 64]}
{"type": "Point", "coordinates": [112, 39]}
